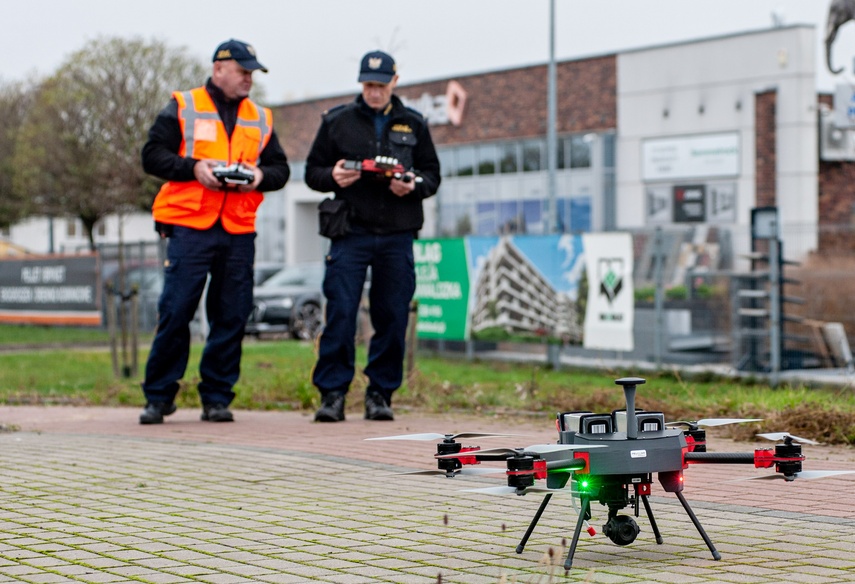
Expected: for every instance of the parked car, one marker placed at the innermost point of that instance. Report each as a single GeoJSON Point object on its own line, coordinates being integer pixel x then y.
{"type": "Point", "coordinates": [264, 270]}
{"type": "Point", "coordinates": [290, 301]}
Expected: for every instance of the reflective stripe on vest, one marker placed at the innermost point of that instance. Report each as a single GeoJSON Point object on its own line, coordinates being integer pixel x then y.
{"type": "Point", "coordinates": [192, 113]}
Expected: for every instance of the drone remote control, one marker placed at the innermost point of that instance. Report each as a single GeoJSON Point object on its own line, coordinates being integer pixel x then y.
{"type": "Point", "coordinates": [233, 174]}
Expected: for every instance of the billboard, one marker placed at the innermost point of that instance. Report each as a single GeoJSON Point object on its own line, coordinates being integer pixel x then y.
{"type": "Point", "coordinates": [50, 290]}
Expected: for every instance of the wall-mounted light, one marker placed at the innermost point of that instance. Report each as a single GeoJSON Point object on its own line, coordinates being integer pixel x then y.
{"type": "Point", "coordinates": [665, 113]}
{"type": "Point", "coordinates": [701, 109]}
{"type": "Point", "coordinates": [738, 105]}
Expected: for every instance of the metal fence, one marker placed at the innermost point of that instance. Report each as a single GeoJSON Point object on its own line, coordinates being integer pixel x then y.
{"type": "Point", "coordinates": [713, 295]}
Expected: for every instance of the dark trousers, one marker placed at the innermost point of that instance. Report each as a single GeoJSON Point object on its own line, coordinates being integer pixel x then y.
{"type": "Point", "coordinates": [191, 256]}
{"type": "Point", "coordinates": [393, 283]}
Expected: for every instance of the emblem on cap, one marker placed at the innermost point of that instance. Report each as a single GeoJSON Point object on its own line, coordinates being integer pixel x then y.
{"type": "Point", "coordinates": [375, 62]}
{"type": "Point", "coordinates": [223, 54]}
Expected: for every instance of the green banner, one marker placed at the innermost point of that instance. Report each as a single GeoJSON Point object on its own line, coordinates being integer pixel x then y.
{"type": "Point", "coordinates": [442, 289]}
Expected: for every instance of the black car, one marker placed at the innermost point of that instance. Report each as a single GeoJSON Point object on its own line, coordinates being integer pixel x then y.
{"type": "Point", "coordinates": [290, 302]}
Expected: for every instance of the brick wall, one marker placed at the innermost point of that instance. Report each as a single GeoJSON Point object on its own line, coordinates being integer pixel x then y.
{"type": "Point", "coordinates": [765, 161]}
{"type": "Point", "coordinates": [508, 104]}
{"type": "Point", "coordinates": [836, 202]}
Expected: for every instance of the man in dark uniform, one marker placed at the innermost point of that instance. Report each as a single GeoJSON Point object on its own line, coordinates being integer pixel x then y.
{"type": "Point", "coordinates": [210, 225]}
{"type": "Point", "coordinates": [385, 214]}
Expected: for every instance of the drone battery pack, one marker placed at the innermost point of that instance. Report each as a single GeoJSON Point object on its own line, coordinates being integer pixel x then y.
{"type": "Point", "coordinates": [647, 421]}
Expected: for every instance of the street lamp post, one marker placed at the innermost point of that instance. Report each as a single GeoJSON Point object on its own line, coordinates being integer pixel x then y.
{"type": "Point", "coordinates": [551, 115]}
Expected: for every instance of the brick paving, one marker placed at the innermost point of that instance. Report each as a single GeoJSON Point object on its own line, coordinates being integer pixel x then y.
{"type": "Point", "coordinates": [89, 495]}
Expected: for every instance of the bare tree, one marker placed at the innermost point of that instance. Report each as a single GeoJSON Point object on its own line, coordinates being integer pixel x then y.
{"type": "Point", "coordinates": [79, 149]}
{"type": "Point", "coordinates": [15, 102]}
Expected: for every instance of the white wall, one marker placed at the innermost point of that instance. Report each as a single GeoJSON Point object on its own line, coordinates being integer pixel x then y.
{"type": "Point", "coordinates": [723, 76]}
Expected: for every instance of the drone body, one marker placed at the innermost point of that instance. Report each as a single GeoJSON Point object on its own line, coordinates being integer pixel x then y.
{"type": "Point", "coordinates": [612, 459]}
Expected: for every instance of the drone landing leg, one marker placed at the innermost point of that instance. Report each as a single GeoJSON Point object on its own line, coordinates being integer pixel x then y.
{"type": "Point", "coordinates": [707, 540]}
{"type": "Point", "coordinates": [653, 525]}
{"type": "Point", "coordinates": [583, 512]}
{"type": "Point", "coordinates": [534, 521]}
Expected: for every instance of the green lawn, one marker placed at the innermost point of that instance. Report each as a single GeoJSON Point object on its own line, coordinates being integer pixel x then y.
{"type": "Point", "coordinates": [276, 375]}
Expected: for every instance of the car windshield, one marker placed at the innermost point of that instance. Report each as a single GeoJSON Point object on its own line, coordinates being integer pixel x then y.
{"type": "Point", "coordinates": [311, 275]}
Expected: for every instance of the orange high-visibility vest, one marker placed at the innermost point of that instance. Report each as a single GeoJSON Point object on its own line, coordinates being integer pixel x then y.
{"type": "Point", "coordinates": [204, 137]}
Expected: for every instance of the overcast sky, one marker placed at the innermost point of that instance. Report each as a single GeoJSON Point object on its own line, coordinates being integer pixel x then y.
{"type": "Point", "coordinates": [313, 47]}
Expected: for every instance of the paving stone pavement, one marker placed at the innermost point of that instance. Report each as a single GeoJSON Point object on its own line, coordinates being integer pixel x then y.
{"type": "Point", "coordinates": [89, 495]}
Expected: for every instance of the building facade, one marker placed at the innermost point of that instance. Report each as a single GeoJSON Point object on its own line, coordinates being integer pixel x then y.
{"type": "Point", "coordinates": [692, 134]}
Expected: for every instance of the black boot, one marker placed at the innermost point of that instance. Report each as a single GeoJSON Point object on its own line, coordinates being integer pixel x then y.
{"type": "Point", "coordinates": [154, 412]}
{"type": "Point", "coordinates": [332, 408]}
{"type": "Point", "coordinates": [377, 407]}
{"type": "Point", "coordinates": [216, 413]}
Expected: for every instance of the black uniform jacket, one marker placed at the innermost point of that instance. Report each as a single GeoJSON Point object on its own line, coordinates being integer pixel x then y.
{"type": "Point", "coordinates": [347, 132]}
{"type": "Point", "coordinates": [160, 154]}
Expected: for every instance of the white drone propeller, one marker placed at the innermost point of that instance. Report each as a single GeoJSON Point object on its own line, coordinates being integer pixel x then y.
{"type": "Point", "coordinates": [534, 448]}
{"type": "Point", "coordinates": [513, 491]}
{"type": "Point", "coordinates": [711, 422]}
{"type": "Point", "coordinates": [434, 436]}
{"type": "Point", "coordinates": [467, 471]}
{"type": "Point", "coordinates": [775, 436]}
{"type": "Point", "coordinates": [806, 474]}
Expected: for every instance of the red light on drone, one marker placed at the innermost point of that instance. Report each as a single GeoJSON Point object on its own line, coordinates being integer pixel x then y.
{"type": "Point", "coordinates": [642, 489]}
{"type": "Point", "coordinates": [585, 456]}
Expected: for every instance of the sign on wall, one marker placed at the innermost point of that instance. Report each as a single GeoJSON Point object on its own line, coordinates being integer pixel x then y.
{"type": "Point", "coordinates": [688, 157]}
{"type": "Point", "coordinates": [611, 299]}
{"type": "Point", "coordinates": [50, 290]}
{"type": "Point", "coordinates": [704, 202]}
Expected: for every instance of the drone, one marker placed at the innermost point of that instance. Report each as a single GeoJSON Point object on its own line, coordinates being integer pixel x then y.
{"type": "Point", "coordinates": [611, 459]}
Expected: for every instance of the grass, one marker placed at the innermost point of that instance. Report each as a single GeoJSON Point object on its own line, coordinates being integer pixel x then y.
{"type": "Point", "coordinates": [276, 375]}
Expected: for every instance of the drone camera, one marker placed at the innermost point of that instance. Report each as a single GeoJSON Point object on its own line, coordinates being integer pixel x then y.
{"type": "Point", "coordinates": [586, 422]}
{"type": "Point", "coordinates": [621, 529]}
{"type": "Point", "coordinates": [647, 421]}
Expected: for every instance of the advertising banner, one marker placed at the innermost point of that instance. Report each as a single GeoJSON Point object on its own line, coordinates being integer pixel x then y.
{"type": "Point", "coordinates": [521, 286]}
{"type": "Point", "coordinates": [611, 299]}
{"type": "Point", "coordinates": [442, 288]}
{"type": "Point", "coordinates": [50, 290]}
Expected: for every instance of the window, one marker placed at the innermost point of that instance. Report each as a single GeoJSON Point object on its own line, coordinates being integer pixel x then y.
{"type": "Point", "coordinates": [561, 149]}
{"type": "Point", "coordinates": [71, 227]}
{"type": "Point", "coordinates": [487, 155]}
{"type": "Point", "coordinates": [609, 150]}
{"type": "Point", "coordinates": [446, 161]}
{"type": "Point", "coordinates": [509, 161]}
{"type": "Point", "coordinates": [466, 161]}
{"type": "Point", "coordinates": [580, 151]}
{"type": "Point", "coordinates": [532, 155]}
{"type": "Point", "coordinates": [102, 228]}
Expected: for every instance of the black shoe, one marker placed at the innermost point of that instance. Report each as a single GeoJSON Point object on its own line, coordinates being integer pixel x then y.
{"type": "Point", "coordinates": [154, 412]}
{"type": "Point", "coordinates": [216, 413]}
{"type": "Point", "coordinates": [376, 407]}
{"type": "Point", "coordinates": [332, 408]}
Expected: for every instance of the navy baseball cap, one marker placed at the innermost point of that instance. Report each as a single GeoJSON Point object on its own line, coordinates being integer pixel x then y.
{"type": "Point", "coordinates": [241, 52]}
{"type": "Point", "coordinates": [377, 66]}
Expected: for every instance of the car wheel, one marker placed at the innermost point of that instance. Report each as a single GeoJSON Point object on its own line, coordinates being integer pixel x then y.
{"type": "Point", "coordinates": [307, 321]}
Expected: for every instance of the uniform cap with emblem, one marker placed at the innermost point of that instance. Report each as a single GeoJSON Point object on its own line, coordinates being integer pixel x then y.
{"type": "Point", "coordinates": [241, 52]}
{"type": "Point", "coordinates": [378, 67]}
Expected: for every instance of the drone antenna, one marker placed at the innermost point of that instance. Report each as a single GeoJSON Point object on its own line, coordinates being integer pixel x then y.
{"type": "Point", "coordinates": [629, 384]}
